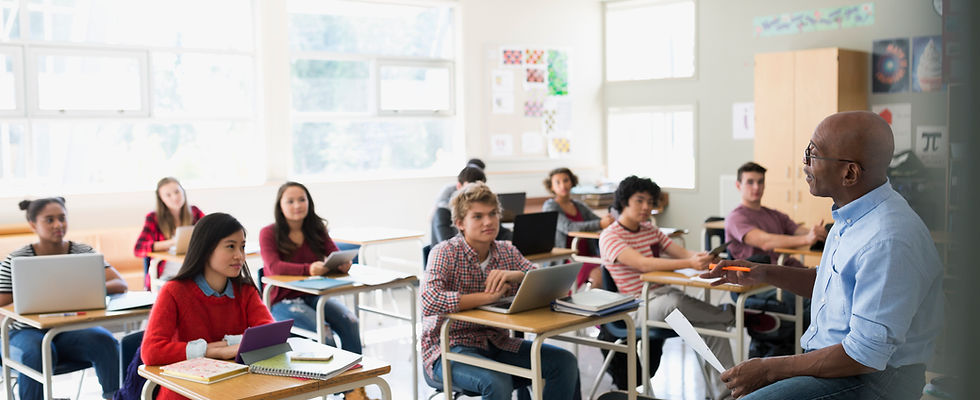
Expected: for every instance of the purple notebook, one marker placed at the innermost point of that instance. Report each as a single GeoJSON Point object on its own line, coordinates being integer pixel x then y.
{"type": "Point", "coordinates": [262, 336]}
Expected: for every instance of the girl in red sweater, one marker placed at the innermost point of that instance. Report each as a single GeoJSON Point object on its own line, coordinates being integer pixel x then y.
{"type": "Point", "coordinates": [206, 308]}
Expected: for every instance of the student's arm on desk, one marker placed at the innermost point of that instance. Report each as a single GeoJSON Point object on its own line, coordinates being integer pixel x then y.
{"type": "Point", "coordinates": [769, 241]}
{"type": "Point", "coordinates": [114, 282]}
{"type": "Point", "coordinates": [683, 258]}
{"type": "Point", "coordinates": [828, 362]}
{"type": "Point", "coordinates": [795, 279]}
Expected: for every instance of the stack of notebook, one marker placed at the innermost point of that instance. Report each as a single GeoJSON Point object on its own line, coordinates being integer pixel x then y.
{"type": "Point", "coordinates": [204, 370]}
{"type": "Point", "coordinates": [594, 302]}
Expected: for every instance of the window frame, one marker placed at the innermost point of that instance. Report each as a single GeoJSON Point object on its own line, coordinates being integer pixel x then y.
{"type": "Point", "coordinates": [665, 108]}
{"type": "Point", "coordinates": [639, 3]}
{"type": "Point", "coordinates": [16, 54]}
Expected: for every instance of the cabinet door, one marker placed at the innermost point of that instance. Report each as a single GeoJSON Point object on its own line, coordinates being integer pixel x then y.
{"type": "Point", "coordinates": [780, 196]}
{"type": "Point", "coordinates": [817, 97]}
{"type": "Point", "coordinates": [774, 122]}
{"type": "Point", "coordinates": [809, 208]}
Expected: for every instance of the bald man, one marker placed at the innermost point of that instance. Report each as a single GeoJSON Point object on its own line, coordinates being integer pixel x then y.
{"type": "Point", "coordinates": [877, 294]}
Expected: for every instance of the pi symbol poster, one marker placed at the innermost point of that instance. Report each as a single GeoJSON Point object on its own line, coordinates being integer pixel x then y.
{"type": "Point", "coordinates": [931, 146]}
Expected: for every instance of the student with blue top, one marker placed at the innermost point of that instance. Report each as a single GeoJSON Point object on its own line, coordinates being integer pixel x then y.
{"type": "Point", "coordinates": [49, 219]}
{"type": "Point", "coordinates": [877, 298]}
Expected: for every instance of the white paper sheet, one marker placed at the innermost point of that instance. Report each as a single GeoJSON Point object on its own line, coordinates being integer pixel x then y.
{"type": "Point", "coordinates": [679, 323]}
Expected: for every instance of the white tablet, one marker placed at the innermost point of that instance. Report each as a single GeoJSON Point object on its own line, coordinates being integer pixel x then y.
{"type": "Point", "coordinates": [338, 258]}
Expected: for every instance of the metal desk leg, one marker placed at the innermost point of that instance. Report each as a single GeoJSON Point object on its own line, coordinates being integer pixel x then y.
{"type": "Point", "coordinates": [447, 375]}
{"type": "Point", "coordinates": [5, 336]}
{"type": "Point", "coordinates": [537, 383]}
{"type": "Point", "coordinates": [148, 388]}
{"type": "Point", "coordinates": [321, 330]}
{"type": "Point", "coordinates": [631, 358]}
{"type": "Point", "coordinates": [415, 343]}
{"type": "Point", "coordinates": [799, 324]}
{"type": "Point", "coordinates": [645, 339]}
{"type": "Point", "coordinates": [739, 327]}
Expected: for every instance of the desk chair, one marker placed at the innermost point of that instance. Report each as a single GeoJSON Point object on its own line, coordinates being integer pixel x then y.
{"type": "Point", "coordinates": [618, 330]}
{"type": "Point", "coordinates": [709, 234]}
{"type": "Point", "coordinates": [520, 384]}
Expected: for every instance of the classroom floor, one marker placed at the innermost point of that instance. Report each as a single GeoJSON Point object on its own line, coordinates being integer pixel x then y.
{"type": "Point", "coordinates": [678, 377]}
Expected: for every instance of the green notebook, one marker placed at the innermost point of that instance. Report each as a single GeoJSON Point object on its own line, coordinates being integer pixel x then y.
{"type": "Point", "coordinates": [283, 365]}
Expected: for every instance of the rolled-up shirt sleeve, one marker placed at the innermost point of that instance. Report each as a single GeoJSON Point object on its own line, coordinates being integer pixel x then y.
{"type": "Point", "coordinates": [888, 289]}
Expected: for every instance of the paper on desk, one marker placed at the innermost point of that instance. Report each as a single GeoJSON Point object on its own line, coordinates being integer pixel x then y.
{"type": "Point", "coordinates": [694, 275]}
{"type": "Point", "coordinates": [679, 323]}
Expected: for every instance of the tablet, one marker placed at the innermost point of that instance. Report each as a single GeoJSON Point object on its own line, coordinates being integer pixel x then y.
{"type": "Point", "coordinates": [338, 258]}
{"type": "Point", "coordinates": [262, 336]}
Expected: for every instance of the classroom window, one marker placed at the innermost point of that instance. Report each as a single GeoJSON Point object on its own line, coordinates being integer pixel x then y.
{"type": "Point", "coordinates": [114, 94]}
{"type": "Point", "coordinates": [372, 87]}
{"type": "Point", "coordinates": [653, 142]}
{"type": "Point", "coordinates": [650, 39]}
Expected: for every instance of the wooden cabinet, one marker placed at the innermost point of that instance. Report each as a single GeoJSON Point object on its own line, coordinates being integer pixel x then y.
{"type": "Point", "coordinates": [794, 91]}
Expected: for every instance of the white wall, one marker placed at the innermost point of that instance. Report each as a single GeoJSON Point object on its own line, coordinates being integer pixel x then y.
{"type": "Point", "coordinates": [403, 203]}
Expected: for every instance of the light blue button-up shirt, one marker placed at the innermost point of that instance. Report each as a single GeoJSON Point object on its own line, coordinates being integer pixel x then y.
{"type": "Point", "coordinates": [879, 284]}
{"type": "Point", "coordinates": [203, 285]}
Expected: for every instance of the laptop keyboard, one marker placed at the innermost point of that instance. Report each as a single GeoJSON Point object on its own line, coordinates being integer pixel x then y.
{"type": "Point", "coordinates": [504, 302]}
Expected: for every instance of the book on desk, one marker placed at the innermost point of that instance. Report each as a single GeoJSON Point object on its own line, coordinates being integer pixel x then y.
{"type": "Point", "coordinates": [293, 358]}
{"type": "Point", "coordinates": [595, 302]}
{"type": "Point", "coordinates": [204, 370]}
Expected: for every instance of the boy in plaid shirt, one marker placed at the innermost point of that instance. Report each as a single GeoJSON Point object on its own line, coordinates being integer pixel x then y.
{"type": "Point", "coordinates": [468, 271]}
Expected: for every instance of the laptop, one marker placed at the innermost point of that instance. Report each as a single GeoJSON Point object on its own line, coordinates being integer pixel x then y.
{"type": "Point", "coordinates": [535, 233]}
{"type": "Point", "coordinates": [130, 300]}
{"type": "Point", "coordinates": [338, 258]}
{"type": "Point", "coordinates": [513, 205]}
{"type": "Point", "coordinates": [539, 288]}
{"type": "Point", "coordinates": [182, 239]}
{"type": "Point", "coordinates": [68, 282]}
{"type": "Point", "coordinates": [263, 336]}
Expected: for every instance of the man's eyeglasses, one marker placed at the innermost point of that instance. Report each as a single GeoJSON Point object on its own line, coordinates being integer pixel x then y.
{"type": "Point", "coordinates": [808, 155]}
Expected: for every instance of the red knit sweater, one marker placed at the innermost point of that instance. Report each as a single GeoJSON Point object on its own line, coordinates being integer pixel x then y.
{"type": "Point", "coordinates": [297, 264]}
{"type": "Point", "coordinates": [183, 313]}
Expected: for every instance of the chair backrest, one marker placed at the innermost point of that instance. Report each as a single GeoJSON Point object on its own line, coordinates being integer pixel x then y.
{"type": "Point", "coordinates": [261, 273]}
{"type": "Point", "coordinates": [425, 255]}
{"type": "Point", "coordinates": [710, 233]}
{"type": "Point", "coordinates": [607, 280]}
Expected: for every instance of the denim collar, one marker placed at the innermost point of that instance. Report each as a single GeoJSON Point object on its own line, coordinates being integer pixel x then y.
{"type": "Point", "coordinates": [208, 291]}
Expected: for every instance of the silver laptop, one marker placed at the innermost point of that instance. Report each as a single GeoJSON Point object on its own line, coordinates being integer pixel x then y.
{"type": "Point", "coordinates": [538, 289]}
{"type": "Point", "coordinates": [130, 300]}
{"type": "Point", "coordinates": [68, 282]}
{"type": "Point", "coordinates": [182, 239]}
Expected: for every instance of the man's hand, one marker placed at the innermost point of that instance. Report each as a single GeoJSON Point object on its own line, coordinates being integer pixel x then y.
{"type": "Point", "coordinates": [498, 278]}
{"type": "Point", "coordinates": [756, 273]}
{"type": "Point", "coordinates": [700, 260]}
{"type": "Point", "coordinates": [747, 377]}
{"type": "Point", "coordinates": [317, 268]}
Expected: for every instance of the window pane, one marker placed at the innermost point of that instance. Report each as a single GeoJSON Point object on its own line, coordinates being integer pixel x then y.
{"type": "Point", "coordinates": [13, 151]}
{"type": "Point", "coordinates": [370, 145]}
{"type": "Point", "coordinates": [8, 83]}
{"type": "Point", "coordinates": [202, 84]}
{"type": "Point", "coordinates": [658, 144]}
{"type": "Point", "coordinates": [331, 86]}
{"type": "Point", "coordinates": [213, 24]}
{"type": "Point", "coordinates": [650, 40]}
{"type": "Point", "coordinates": [86, 156]}
{"type": "Point", "coordinates": [414, 88]}
{"type": "Point", "coordinates": [9, 23]}
{"type": "Point", "coordinates": [88, 82]}
{"type": "Point", "coordinates": [371, 28]}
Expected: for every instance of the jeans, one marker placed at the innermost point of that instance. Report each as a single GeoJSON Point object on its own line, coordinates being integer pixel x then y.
{"type": "Point", "coordinates": [559, 368]}
{"type": "Point", "coordinates": [95, 345]}
{"type": "Point", "coordinates": [892, 383]}
{"type": "Point", "coordinates": [338, 318]}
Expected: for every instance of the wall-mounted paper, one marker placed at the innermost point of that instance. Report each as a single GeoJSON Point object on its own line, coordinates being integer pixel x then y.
{"type": "Point", "coordinates": [679, 323]}
{"type": "Point", "coordinates": [532, 143]}
{"type": "Point", "coordinates": [930, 146]}
{"type": "Point", "coordinates": [927, 64]}
{"type": "Point", "coordinates": [899, 117]}
{"type": "Point", "coordinates": [743, 121]}
{"type": "Point", "coordinates": [502, 145]}
{"type": "Point", "coordinates": [502, 80]}
{"type": "Point", "coordinates": [503, 103]}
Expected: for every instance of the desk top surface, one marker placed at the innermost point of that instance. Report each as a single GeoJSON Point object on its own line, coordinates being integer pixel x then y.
{"type": "Point", "coordinates": [675, 278]}
{"type": "Point", "coordinates": [715, 224]}
{"type": "Point", "coordinates": [538, 320]}
{"type": "Point", "coordinates": [799, 251]}
{"type": "Point", "coordinates": [670, 232]}
{"type": "Point", "coordinates": [364, 278]}
{"type": "Point", "coordinates": [555, 252]}
{"type": "Point", "coordinates": [259, 386]}
{"type": "Point", "coordinates": [36, 321]}
{"type": "Point", "coordinates": [373, 235]}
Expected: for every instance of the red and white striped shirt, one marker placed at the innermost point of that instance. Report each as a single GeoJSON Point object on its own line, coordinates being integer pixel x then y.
{"type": "Point", "coordinates": [648, 241]}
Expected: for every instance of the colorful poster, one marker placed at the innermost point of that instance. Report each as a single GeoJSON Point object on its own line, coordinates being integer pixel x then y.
{"type": "Point", "coordinates": [899, 117]}
{"type": "Point", "coordinates": [510, 57]}
{"type": "Point", "coordinates": [811, 21]}
{"type": "Point", "coordinates": [890, 66]}
{"type": "Point", "coordinates": [535, 57]}
{"type": "Point", "coordinates": [533, 108]}
{"type": "Point", "coordinates": [502, 145]}
{"type": "Point", "coordinates": [503, 103]}
{"type": "Point", "coordinates": [557, 73]}
{"type": "Point", "coordinates": [559, 146]}
{"type": "Point", "coordinates": [532, 143]}
{"type": "Point", "coordinates": [927, 64]}
{"type": "Point", "coordinates": [502, 80]}
{"type": "Point", "coordinates": [535, 77]}
{"type": "Point", "coordinates": [743, 121]}
{"type": "Point", "coordinates": [930, 146]}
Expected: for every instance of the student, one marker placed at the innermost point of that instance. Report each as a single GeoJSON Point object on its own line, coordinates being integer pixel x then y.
{"type": "Point", "coordinates": [443, 226]}
{"type": "Point", "coordinates": [756, 230]}
{"type": "Point", "coordinates": [297, 244]}
{"type": "Point", "coordinates": [574, 216]}
{"type": "Point", "coordinates": [470, 270]}
{"type": "Point", "coordinates": [48, 218]}
{"type": "Point", "coordinates": [160, 226]}
{"type": "Point", "coordinates": [633, 246]}
{"type": "Point", "coordinates": [879, 285]}
{"type": "Point", "coordinates": [442, 200]}
{"type": "Point", "coordinates": [206, 307]}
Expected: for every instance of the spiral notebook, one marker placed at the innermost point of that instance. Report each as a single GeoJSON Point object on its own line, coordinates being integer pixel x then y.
{"type": "Point", "coordinates": [283, 364]}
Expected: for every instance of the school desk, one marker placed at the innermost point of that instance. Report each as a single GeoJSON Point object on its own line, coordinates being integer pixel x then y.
{"type": "Point", "coordinates": [803, 252]}
{"type": "Point", "coordinates": [677, 279]}
{"type": "Point", "coordinates": [367, 237]}
{"type": "Point", "coordinates": [545, 324]}
{"type": "Point", "coordinates": [556, 254]}
{"type": "Point", "coordinates": [54, 325]}
{"type": "Point", "coordinates": [365, 279]}
{"type": "Point", "coordinates": [259, 386]}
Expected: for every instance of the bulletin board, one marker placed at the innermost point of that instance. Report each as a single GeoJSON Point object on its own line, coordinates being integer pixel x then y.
{"type": "Point", "coordinates": [529, 107]}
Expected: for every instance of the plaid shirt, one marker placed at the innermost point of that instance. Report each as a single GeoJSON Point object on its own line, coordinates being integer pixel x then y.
{"type": "Point", "coordinates": [152, 234]}
{"type": "Point", "coordinates": [454, 270]}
